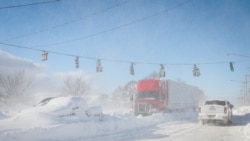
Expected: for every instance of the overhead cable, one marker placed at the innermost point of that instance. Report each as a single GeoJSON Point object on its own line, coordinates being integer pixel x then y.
{"type": "Point", "coordinates": [241, 55]}
{"type": "Point", "coordinates": [29, 4]}
{"type": "Point", "coordinates": [67, 22]}
{"type": "Point", "coordinates": [109, 60]}
{"type": "Point", "coordinates": [116, 27]}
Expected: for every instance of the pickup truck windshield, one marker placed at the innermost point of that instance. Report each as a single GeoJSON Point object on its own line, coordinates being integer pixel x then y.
{"type": "Point", "coordinates": [148, 94]}
{"type": "Point", "coordinates": [216, 102]}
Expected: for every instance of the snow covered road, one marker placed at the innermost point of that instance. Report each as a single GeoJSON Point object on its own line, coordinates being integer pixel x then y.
{"type": "Point", "coordinates": [209, 133]}
{"type": "Point", "coordinates": [182, 131]}
{"type": "Point", "coordinates": [186, 130]}
{"type": "Point", "coordinates": [190, 131]}
{"type": "Point", "coordinates": [182, 126]}
{"type": "Point", "coordinates": [179, 131]}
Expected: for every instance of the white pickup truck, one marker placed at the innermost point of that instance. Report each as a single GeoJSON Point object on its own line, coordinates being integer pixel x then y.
{"type": "Point", "coordinates": [216, 111]}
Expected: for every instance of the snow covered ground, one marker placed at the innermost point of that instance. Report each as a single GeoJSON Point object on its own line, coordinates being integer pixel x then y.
{"type": "Point", "coordinates": [42, 124]}
{"type": "Point", "coordinates": [243, 117]}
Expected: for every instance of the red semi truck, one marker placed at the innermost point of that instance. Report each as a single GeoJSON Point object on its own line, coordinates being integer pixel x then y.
{"type": "Point", "coordinates": [154, 95]}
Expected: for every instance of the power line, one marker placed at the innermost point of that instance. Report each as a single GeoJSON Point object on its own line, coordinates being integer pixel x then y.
{"type": "Point", "coordinates": [67, 22]}
{"type": "Point", "coordinates": [241, 55]}
{"type": "Point", "coordinates": [117, 27]}
{"type": "Point", "coordinates": [29, 4]}
{"type": "Point", "coordinates": [110, 60]}
{"type": "Point", "coordinates": [40, 50]}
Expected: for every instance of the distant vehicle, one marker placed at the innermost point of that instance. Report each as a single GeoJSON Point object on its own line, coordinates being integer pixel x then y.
{"type": "Point", "coordinates": [67, 106]}
{"type": "Point", "coordinates": [62, 106]}
{"type": "Point", "coordinates": [216, 111]}
{"type": "Point", "coordinates": [44, 101]}
{"type": "Point", "coordinates": [155, 95]}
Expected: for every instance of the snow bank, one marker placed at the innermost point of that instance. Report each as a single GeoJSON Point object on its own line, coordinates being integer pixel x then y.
{"type": "Point", "coordinates": [3, 116]}
{"type": "Point", "coordinates": [115, 126]}
{"type": "Point", "coordinates": [242, 115]}
{"type": "Point", "coordinates": [247, 132]}
{"type": "Point", "coordinates": [242, 110]}
{"type": "Point", "coordinates": [49, 127]}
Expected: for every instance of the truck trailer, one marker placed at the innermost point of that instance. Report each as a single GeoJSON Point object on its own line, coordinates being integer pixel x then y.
{"type": "Point", "coordinates": [155, 95]}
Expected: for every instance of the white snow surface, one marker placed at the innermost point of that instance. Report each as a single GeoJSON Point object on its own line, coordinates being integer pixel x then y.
{"type": "Point", "coordinates": [243, 114]}
{"type": "Point", "coordinates": [45, 123]}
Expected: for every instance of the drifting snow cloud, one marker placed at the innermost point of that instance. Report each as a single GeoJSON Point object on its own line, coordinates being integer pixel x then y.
{"type": "Point", "coordinates": [73, 74]}
{"type": "Point", "coordinates": [44, 84]}
{"type": "Point", "coordinates": [11, 63]}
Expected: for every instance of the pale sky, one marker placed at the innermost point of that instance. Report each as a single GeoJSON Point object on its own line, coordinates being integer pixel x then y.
{"type": "Point", "coordinates": [176, 33]}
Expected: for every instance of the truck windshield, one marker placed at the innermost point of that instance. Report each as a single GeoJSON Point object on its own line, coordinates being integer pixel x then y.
{"type": "Point", "coordinates": [215, 102]}
{"type": "Point", "coordinates": [148, 94]}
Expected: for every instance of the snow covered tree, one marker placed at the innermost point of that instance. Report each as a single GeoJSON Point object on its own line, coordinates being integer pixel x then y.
{"type": "Point", "coordinates": [122, 94]}
{"type": "Point", "coordinates": [75, 86]}
{"type": "Point", "coordinates": [14, 87]}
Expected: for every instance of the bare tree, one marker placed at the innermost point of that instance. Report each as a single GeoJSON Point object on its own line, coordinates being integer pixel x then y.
{"type": "Point", "coordinates": [14, 87]}
{"type": "Point", "coordinates": [122, 95]}
{"type": "Point", "coordinates": [76, 87]}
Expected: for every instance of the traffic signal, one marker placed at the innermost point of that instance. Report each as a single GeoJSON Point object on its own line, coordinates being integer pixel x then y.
{"type": "Point", "coordinates": [162, 71]}
{"type": "Point", "coordinates": [98, 66]}
{"type": "Point", "coordinates": [231, 66]}
{"type": "Point", "coordinates": [44, 56]}
{"type": "Point", "coordinates": [77, 62]}
{"type": "Point", "coordinates": [132, 72]}
{"type": "Point", "coordinates": [196, 71]}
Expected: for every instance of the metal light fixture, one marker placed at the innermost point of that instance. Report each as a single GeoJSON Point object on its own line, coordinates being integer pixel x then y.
{"type": "Point", "coordinates": [132, 72]}
{"type": "Point", "coordinates": [98, 66]}
{"type": "Point", "coordinates": [196, 71]}
{"type": "Point", "coordinates": [162, 71]}
{"type": "Point", "coordinates": [77, 62]}
{"type": "Point", "coordinates": [44, 56]}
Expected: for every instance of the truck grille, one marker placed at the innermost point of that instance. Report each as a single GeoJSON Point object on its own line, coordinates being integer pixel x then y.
{"type": "Point", "coordinates": [142, 108]}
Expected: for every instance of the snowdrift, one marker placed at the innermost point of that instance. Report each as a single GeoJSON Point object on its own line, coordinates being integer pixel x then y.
{"type": "Point", "coordinates": [242, 115]}
{"type": "Point", "coordinates": [58, 119]}
{"type": "Point", "coordinates": [52, 111]}
{"type": "Point", "coordinates": [45, 122]}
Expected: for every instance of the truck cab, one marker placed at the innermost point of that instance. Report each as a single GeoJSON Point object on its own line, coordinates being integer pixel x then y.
{"type": "Point", "coordinates": [151, 97]}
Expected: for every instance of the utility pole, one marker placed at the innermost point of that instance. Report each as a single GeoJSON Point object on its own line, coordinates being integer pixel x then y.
{"type": "Point", "coordinates": [247, 99]}
{"type": "Point", "coordinates": [247, 96]}
{"type": "Point", "coordinates": [244, 90]}
{"type": "Point", "coordinates": [242, 93]}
